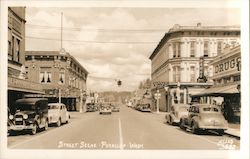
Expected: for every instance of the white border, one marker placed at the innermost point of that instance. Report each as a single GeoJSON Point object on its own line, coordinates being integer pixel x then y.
{"type": "Point", "coordinates": [243, 153]}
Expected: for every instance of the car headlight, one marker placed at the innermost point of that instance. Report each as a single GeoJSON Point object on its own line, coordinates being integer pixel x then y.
{"type": "Point", "coordinates": [25, 116]}
{"type": "Point", "coordinates": [11, 117]}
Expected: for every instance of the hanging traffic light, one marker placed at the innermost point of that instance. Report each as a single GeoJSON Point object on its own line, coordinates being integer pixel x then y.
{"type": "Point", "coordinates": [119, 83]}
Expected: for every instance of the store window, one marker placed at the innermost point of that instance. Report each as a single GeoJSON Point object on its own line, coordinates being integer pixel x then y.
{"type": "Point", "coordinates": [192, 49]}
{"type": "Point", "coordinates": [10, 55]}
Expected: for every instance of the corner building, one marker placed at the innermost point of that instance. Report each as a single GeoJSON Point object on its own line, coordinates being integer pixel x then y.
{"type": "Point", "coordinates": [183, 56]}
{"type": "Point", "coordinates": [18, 84]}
{"type": "Point", "coordinates": [60, 75]}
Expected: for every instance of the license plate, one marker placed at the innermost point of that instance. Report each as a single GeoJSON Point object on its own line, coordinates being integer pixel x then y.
{"type": "Point", "coordinates": [19, 126]}
{"type": "Point", "coordinates": [19, 119]}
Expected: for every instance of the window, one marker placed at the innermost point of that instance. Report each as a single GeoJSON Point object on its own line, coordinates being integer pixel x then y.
{"type": "Point", "coordinates": [176, 74]}
{"type": "Point", "coordinates": [192, 49]}
{"type": "Point", "coordinates": [10, 55]}
{"type": "Point", "coordinates": [219, 47]}
{"type": "Point", "coordinates": [206, 48]}
{"type": "Point", "coordinates": [179, 50]}
{"type": "Point", "coordinates": [16, 49]}
{"type": "Point", "coordinates": [236, 78]}
{"type": "Point", "coordinates": [174, 49]}
{"type": "Point", "coordinates": [62, 76]}
{"type": "Point", "coordinates": [192, 74]}
{"type": "Point", "coordinates": [45, 76]}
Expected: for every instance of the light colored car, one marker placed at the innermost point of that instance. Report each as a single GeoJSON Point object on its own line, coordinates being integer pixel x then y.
{"type": "Point", "coordinates": [176, 112]}
{"type": "Point", "coordinates": [58, 114]}
{"type": "Point", "coordinates": [204, 117]}
{"type": "Point", "coordinates": [105, 109]}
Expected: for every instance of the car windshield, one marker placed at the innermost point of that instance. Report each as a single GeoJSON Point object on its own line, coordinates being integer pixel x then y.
{"type": "Point", "coordinates": [23, 107]}
{"type": "Point", "coordinates": [54, 107]}
{"type": "Point", "coordinates": [210, 109]}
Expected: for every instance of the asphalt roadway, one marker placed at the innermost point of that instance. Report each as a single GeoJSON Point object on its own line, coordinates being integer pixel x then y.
{"type": "Point", "coordinates": [128, 129]}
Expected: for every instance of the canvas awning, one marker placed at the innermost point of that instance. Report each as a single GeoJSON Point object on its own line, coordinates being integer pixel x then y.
{"type": "Point", "coordinates": [219, 90]}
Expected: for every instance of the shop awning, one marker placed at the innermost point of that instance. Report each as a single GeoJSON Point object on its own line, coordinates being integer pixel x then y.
{"type": "Point", "coordinates": [219, 90]}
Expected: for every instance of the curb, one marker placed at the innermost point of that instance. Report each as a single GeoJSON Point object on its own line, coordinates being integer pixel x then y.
{"type": "Point", "coordinates": [233, 135]}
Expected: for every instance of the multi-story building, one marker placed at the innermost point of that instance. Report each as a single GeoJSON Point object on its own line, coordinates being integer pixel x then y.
{"type": "Point", "coordinates": [226, 77]}
{"type": "Point", "coordinates": [18, 85]}
{"type": "Point", "coordinates": [180, 62]}
{"type": "Point", "coordinates": [62, 77]}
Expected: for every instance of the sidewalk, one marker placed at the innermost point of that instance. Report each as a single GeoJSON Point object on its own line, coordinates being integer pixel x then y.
{"type": "Point", "coordinates": [233, 129]}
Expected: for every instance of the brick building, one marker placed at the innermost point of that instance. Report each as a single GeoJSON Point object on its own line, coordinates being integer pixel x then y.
{"type": "Point", "coordinates": [180, 62]}
{"type": "Point", "coordinates": [18, 85]}
{"type": "Point", "coordinates": [61, 75]}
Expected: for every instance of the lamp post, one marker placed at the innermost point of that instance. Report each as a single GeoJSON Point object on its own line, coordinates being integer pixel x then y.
{"type": "Point", "coordinates": [157, 97]}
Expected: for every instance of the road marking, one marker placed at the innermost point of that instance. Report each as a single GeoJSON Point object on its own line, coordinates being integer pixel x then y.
{"type": "Point", "coordinates": [120, 134]}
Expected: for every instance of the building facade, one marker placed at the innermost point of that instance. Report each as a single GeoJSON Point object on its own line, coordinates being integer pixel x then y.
{"type": "Point", "coordinates": [180, 62]}
{"type": "Point", "coordinates": [18, 84]}
{"type": "Point", "coordinates": [62, 77]}
{"type": "Point", "coordinates": [226, 77]}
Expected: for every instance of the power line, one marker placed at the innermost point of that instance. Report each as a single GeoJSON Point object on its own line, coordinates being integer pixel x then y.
{"type": "Point", "coordinates": [95, 29]}
{"type": "Point", "coordinates": [85, 41]}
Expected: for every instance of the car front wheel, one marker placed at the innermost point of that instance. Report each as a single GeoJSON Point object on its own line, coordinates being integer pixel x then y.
{"type": "Point", "coordinates": [182, 125]}
{"type": "Point", "coordinates": [58, 123]}
{"type": "Point", "coordinates": [34, 129]}
{"type": "Point", "coordinates": [194, 129]}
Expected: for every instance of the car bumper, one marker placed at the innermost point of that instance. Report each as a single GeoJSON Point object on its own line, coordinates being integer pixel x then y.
{"type": "Point", "coordinates": [213, 127]}
{"type": "Point", "coordinates": [20, 127]}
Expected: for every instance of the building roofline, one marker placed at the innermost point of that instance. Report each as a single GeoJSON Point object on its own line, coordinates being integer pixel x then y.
{"type": "Point", "coordinates": [51, 53]}
{"type": "Point", "coordinates": [178, 28]}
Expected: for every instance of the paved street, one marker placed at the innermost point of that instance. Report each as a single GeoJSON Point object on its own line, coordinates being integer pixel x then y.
{"type": "Point", "coordinates": [127, 129]}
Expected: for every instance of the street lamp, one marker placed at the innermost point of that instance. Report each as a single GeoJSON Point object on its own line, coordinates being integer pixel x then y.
{"type": "Point", "coordinates": [157, 96]}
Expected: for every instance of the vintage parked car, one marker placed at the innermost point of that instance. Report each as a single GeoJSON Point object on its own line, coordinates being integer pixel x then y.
{"type": "Point", "coordinates": [145, 107]}
{"type": "Point", "coordinates": [91, 107]}
{"type": "Point", "coordinates": [204, 117]}
{"type": "Point", "coordinates": [58, 114]}
{"type": "Point", "coordinates": [176, 112]}
{"type": "Point", "coordinates": [31, 114]}
{"type": "Point", "coordinates": [105, 108]}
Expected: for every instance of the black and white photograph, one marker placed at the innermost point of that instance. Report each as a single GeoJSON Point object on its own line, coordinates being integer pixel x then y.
{"type": "Point", "coordinates": [124, 79]}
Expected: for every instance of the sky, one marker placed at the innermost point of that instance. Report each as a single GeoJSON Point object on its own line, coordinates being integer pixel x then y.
{"type": "Point", "coordinates": [114, 43]}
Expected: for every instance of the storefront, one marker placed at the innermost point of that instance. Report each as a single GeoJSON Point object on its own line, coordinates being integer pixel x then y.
{"type": "Point", "coordinates": [226, 77]}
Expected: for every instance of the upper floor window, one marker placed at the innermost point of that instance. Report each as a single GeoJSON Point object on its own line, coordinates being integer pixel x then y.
{"type": "Point", "coordinates": [192, 74]}
{"type": "Point", "coordinates": [219, 47]}
{"type": "Point", "coordinates": [62, 76]}
{"type": "Point", "coordinates": [176, 74]}
{"type": "Point", "coordinates": [192, 48]}
{"type": "Point", "coordinates": [206, 48]}
{"type": "Point", "coordinates": [178, 49]}
{"type": "Point", "coordinates": [174, 50]}
{"type": "Point", "coordinates": [16, 49]}
{"type": "Point", "coordinates": [45, 76]}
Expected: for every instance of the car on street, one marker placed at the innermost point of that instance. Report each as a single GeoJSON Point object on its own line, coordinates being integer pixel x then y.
{"type": "Point", "coordinates": [115, 107]}
{"type": "Point", "coordinates": [91, 107]}
{"type": "Point", "coordinates": [31, 115]}
{"type": "Point", "coordinates": [176, 112]}
{"type": "Point", "coordinates": [58, 114]}
{"type": "Point", "coordinates": [105, 108]}
{"type": "Point", "coordinates": [204, 117]}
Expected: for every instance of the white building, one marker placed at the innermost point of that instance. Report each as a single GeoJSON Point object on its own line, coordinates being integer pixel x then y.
{"type": "Point", "coordinates": [182, 56]}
